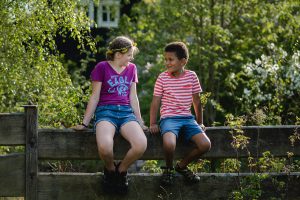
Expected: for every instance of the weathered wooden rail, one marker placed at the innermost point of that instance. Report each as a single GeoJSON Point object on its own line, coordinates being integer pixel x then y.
{"type": "Point", "coordinates": [19, 174]}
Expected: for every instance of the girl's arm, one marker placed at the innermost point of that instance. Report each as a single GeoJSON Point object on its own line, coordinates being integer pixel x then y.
{"type": "Point", "coordinates": [91, 106]}
{"type": "Point", "coordinates": [155, 104]}
{"type": "Point", "coordinates": [134, 102]}
{"type": "Point", "coordinates": [198, 108]}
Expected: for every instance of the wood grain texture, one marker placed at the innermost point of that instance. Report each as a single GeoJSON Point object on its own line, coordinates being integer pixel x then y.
{"type": "Point", "coordinates": [12, 175]}
{"type": "Point", "coordinates": [12, 129]}
{"type": "Point", "coordinates": [31, 151]}
{"type": "Point", "coordinates": [147, 187]}
{"type": "Point", "coordinates": [68, 144]}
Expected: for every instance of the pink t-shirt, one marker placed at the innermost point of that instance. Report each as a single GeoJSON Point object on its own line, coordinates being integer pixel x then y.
{"type": "Point", "coordinates": [115, 88]}
{"type": "Point", "coordinates": [176, 93]}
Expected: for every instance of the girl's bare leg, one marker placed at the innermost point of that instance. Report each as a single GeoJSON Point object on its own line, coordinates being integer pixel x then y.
{"type": "Point", "coordinates": [105, 132]}
{"type": "Point", "coordinates": [133, 133]}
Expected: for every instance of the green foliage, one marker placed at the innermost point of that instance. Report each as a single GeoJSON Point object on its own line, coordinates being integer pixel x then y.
{"type": "Point", "coordinates": [295, 137]}
{"type": "Point", "coordinates": [11, 149]}
{"type": "Point", "coordinates": [239, 140]}
{"type": "Point", "coordinates": [201, 165]}
{"type": "Point", "coordinates": [267, 163]}
{"type": "Point", "coordinates": [151, 166]}
{"type": "Point", "coordinates": [250, 187]}
{"type": "Point", "coordinates": [30, 64]}
{"type": "Point", "coordinates": [271, 83]}
{"type": "Point", "coordinates": [230, 166]}
{"type": "Point", "coordinates": [222, 36]}
{"type": "Point", "coordinates": [258, 118]}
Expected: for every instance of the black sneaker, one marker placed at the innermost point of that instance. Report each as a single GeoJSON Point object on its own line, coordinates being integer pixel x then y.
{"type": "Point", "coordinates": [187, 174]}
{"type": "Point", "coordinates": [108, 181]}
{"type": "Point", "coordinates": [121, 181]}
{"type": "Point", "coordinates": [168, 176]}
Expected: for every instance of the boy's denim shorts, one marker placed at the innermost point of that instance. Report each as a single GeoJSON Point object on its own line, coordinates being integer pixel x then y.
{"type": "Point", "coordinates": [185, 125]}
{"type": "Point", "coordinates": [118, 115]}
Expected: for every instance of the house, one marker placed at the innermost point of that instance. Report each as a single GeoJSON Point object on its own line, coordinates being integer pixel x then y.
{"type": "Point", "coordinates": [105, 15]}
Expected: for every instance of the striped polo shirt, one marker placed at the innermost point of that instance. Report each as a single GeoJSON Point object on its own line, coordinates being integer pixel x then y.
{"type": "Point", "coordinates": [176, 93]}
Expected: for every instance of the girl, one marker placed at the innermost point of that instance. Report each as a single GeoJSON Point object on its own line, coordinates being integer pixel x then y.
{"type": "Point", "coordinates": [115, 104]}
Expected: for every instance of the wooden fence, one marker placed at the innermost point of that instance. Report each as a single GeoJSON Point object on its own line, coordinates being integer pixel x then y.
{"type": "Point", "coordinates": [20, 176]}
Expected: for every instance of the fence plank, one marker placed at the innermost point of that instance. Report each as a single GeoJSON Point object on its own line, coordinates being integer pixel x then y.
{"type": "Point", "coordinates": [262, 138]}
{"type": "Point", "coordinates": [12, 175]}
{"type": "Point", "coordinates": [147, 187]}
{"type": "Point", "coordinates": [31, 152]}
{"type": "Point", "coordinates": [12, 128]}
{"type": "Point", "coordinates": [68, 144]}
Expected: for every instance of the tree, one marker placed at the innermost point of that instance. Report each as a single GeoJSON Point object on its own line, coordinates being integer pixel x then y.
{"type": "Point", "coordinates": [222, 36]}
{"type": "Point", "coordinates": [31, 67]}
{"type": "Point", "coordinates": [272, 83]}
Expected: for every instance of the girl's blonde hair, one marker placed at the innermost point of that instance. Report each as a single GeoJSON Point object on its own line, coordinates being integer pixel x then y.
{"type": "Point", "coordinates": [120, 44]}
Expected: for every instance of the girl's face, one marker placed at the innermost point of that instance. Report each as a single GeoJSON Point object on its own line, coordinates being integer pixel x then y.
{"type": "Point", "coordinates": [173, 64]}
{"type": "Point", "coordinates": [125, 58]}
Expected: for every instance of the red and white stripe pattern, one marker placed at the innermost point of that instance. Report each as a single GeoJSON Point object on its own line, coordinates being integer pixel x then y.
{"type": "Point", "coordinates": [176, 93]}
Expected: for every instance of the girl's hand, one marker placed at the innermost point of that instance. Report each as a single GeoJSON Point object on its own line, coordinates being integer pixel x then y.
{"type": "Point", "coordinates": [154, 128]}
{"type": "Point", "coordinates": [203, 127]}
{"type": "Point", "coordinates": [79, 127]}
{"type": "Point", "coordinates": [145, 128]}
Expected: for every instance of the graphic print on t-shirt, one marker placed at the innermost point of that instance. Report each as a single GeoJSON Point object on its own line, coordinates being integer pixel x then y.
{"type": "Point", "coordinates": [119, 84]}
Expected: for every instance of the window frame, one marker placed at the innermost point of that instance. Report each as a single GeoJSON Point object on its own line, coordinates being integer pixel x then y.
{"type": "Point", "coordinates": [96, 13]}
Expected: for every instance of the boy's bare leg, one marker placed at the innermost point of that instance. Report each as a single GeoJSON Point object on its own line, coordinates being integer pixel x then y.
{"type": "Point", "coordinates": [203, 145]}
{"type": "Point", "coordinates": [169, 145]}
{"type": "Point", "coordinates": [133, 133]}
{"type": "Point", "coordinates": [105, 132]}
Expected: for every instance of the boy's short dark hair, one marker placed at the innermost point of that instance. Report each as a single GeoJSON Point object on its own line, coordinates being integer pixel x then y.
{"type": "Point", "coordinates": [179, 48]}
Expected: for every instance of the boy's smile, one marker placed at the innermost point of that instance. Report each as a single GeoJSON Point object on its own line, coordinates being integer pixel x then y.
{"type": "Point", "coordinates": [174, 65]}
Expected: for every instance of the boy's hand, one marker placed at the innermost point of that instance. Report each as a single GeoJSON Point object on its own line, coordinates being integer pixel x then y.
{"type": "Point", "coordinates": [154, 128]}
{"type": "Point", "coordinates": [79, 127]}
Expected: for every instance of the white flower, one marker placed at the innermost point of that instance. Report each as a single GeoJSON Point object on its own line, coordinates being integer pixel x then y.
{"type": "Point", "coordinates": [274, 67]}
{"type": "Point", "coordinates": [148, 65]}
{"type": "Point", "coordinates": [284, 54]}
{"type": "Point", "coordinates": [232, 75]}
{"type": "Point", "coordinates": [248, 69]}
{"type": "Point", "coordinates": [159, 58]}
{"type": "Point", "coordinates": [271, 46]}
{"type": "Point", "coordinates": [247, 92]}
{"type": "Point", "coordinates": [257, 61]}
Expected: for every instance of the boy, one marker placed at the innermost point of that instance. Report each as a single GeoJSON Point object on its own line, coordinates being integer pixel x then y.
{"type": "Point", "coordinates": [176, 89]}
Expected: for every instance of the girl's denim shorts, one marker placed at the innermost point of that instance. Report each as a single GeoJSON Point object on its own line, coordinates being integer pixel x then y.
{"type": "Point", "coordinates": [185, 125]}
{"type": "Point", "coordinates": [118, 115]}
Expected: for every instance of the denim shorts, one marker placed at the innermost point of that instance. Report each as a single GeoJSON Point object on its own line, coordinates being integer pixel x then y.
{"type": "Point", "coordinates": [185, 125]}
{"type": "Point", "coordinates": [118, 115]}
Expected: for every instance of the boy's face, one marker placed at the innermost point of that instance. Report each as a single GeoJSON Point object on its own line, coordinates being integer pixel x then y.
{"type": "Point", "coordinates": [173, 64]}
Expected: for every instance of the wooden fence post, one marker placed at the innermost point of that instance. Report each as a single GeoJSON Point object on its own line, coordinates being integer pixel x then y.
{"type": "Point", "coordinates": [31, 114]}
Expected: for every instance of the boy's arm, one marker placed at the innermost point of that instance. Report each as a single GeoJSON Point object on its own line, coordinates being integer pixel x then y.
{"type": "Point", "coordinates": [198, 108]}
{"type": "Point", "coordinates": [155, 104]}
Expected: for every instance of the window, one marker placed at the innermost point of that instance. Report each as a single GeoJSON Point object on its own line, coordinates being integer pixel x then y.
{"type": "Point", "coordinates": [106, 14]}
